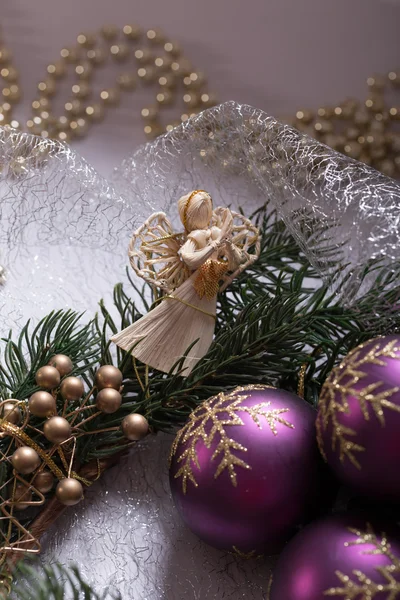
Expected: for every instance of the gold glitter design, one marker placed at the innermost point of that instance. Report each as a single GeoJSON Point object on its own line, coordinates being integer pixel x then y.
{"type": "Point", "coordinates": [14, 537]}
{"type": "Point", "coordinates": [227, 405]}
{"type": "Point", "coordinates": [271, 580]}
{"type": "Point", "coordinates": [302, 377]}
{"type": "Point", "coordinates": [245, 555]}
{"type": "Point", "coordinates": [340, 385]}
{"type": "Point", "coordinates": [361, 587]}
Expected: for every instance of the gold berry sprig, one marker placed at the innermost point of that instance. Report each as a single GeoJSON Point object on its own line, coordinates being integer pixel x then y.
{"type": "Point", "coordinates": [40, 458]}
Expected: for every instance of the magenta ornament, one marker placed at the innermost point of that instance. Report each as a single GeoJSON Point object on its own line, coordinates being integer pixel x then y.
{"type": "Point", "coordinates": [358, 423]}
{"type": "Point", "coordinates": [342, 557]}
{"type": "Point", "coordinates": [244, 468]}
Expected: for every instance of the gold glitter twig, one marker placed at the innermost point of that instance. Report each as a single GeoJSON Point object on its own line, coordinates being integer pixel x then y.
{"type": "Point", "coordinates": [342, 384]}
{"type": "Point", "coordinates": [362, 586]}
{"type": "Point", "coordinates": [24, 437]}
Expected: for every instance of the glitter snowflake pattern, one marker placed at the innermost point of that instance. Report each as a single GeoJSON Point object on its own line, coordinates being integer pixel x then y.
{"type": "Point", "coordinates": [360, 586]}
{"type": "Point", "coordinates": [217, 414]}
{"type": "Point", "coordinates": [245, 555]}
{"type": "Point", "coordinates": [340, 385]}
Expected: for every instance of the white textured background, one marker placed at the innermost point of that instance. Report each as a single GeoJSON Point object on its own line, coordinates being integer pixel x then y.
{"type": "Point", "coordinates": [279, 55]}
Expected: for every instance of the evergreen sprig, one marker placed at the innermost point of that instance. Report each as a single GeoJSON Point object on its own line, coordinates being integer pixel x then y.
{"type": "Point", "coordinates": [54, 582]}
{"type": "Point", "coordinates": [60, 332]}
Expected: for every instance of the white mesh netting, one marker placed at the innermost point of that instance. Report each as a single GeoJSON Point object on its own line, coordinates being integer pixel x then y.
{"type": "Point", "coordinates": [245, 158]}
{"type": "Point", "coordinates": [63, 239]}
{"type": "Point", "coordinates": [53, 204]}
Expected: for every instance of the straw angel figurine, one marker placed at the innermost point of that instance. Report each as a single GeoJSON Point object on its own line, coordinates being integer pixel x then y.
{"type": "Point", "coordinates": [190, 268]}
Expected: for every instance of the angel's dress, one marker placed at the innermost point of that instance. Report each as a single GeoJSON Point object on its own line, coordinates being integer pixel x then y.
{"type": "Point", "coordinates": [163, 335]}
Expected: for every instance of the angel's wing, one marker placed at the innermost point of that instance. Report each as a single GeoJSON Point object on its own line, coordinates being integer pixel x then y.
{"type": "Point", "coordinates": [153, 253]}
{"type": "Point", "coordinates": [245, 236]}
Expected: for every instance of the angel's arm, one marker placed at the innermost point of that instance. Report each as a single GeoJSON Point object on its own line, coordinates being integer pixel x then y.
{"type": "Point", "coordinates": [235, 256]}
{"type": "Point", "coordinates": [194, 258]}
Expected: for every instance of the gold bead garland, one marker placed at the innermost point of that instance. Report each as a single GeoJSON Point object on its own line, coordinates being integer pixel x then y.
{"type": "Point", "coordinates": [157, 61]}
{"type": "Point", "coordinates": [365, 130]}
{"type": "Point", "coordinates": [38, 467]}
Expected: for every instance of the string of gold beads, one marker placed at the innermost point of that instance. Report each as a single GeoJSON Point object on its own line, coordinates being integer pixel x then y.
{"type": "Point", "coordinates": [367, 130]}
{"type": "Point", "coordinates": [148, 58]}
{"type": "Point", "coordinates": [30, 457]}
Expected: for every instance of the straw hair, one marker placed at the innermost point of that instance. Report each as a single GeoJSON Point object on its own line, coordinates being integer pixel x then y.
{"type": "Point", "coordinates": [195, 210]}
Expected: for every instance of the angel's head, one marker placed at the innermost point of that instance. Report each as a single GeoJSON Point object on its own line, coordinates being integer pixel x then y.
{"type": "Point", "coordinates": [195, 210]}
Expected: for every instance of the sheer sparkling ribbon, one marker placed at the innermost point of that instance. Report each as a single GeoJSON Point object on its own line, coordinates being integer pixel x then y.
{"type": "Point", "coordinates": [53, 204]}
{"type": "Point", "coordinates": [343, 213]}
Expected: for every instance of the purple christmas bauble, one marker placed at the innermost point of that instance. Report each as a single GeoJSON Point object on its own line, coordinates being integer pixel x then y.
{"type": "Point", "coordinates": [244, 468]}
{"type": "Point", "coordinates": [342, 557]}
{"type": "Point", "coordinates": [358, 423]}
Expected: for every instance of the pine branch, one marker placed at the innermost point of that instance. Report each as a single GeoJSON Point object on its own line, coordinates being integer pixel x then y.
{"type": "Point", "coordinates": [53, 582]}
{"type": "Point", "coordinates": [59, 332]}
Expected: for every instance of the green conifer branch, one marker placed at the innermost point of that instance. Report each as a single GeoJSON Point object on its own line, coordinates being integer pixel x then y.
{"type": "Point", "coordinates": [54, 582]}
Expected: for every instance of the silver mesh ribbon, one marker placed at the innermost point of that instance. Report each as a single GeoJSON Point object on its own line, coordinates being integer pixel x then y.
{"type": "Point", "coordinates": [344, 214]}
